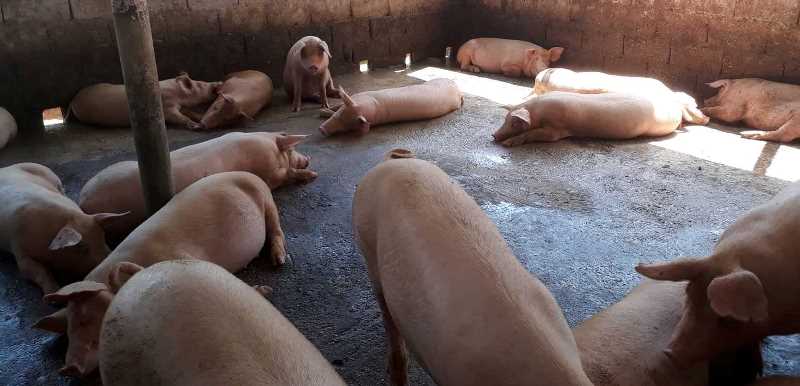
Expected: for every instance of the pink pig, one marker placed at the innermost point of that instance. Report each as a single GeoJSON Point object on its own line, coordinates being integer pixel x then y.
{"type": "Point", "coordinates": [514, 58]}
{"type": "Point", "coordinates": [306, 75]}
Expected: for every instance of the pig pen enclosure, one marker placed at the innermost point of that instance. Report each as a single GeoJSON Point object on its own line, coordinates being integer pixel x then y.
{"type": "Point", "coordinates": [579, 214]}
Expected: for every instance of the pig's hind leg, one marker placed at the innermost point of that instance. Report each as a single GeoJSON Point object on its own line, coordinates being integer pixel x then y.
{"type": "Point", "coordinates": [275, 236]}
{"type": "Point", "coordinates": [785, 134]}
{"type": "Point", "coordinates": [398, 353]}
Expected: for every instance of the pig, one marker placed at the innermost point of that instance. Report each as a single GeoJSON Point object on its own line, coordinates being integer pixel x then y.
{"type": "Point", "coordinates": [428, 100]}
{"type": "Point", "coordinates": [770, 107]}
{"type": "Point", "coordinates": [746, 289]}
{"type": "Point", "coordinates": [514, 58]}
{"type": "Point", "coordinates": [778, 381]}
{"type": "Point", "coordinates": [8, 127]}
{"type": "Point", "coordinates": [188, 322]}
{"type": "Point", "coordinates": [306, 74]}
{"type": "Point", "coordinates": [623, 345]}
{"type": "Point", "coordinates": [46, 231]}
{"type": "Point", "coordinates": [270, 156]}
{"type": "Point", "coordinates": [224, 218]}
{"type": "Point", "coordinates": [450, 288]}
{"type": "Point", "coordinates": [557, 115]}
{"type": "Point", "coordinates": [242, 95]}
{"type": "Point", "coordinates": [562, 79]}
{"type": "Point", "coordinates": [106, 104]}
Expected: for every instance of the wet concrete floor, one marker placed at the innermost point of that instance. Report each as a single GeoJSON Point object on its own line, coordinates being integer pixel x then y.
{"type": "Point", "coordinates": [578, 213]}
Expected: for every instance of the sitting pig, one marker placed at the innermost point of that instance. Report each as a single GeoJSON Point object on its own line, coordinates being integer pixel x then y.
{"type": "Point", "coordinates": [431, 99]}
{"type": "Point", "coordinates": [562, 79]}
{"type": "Point", "coordinates": [770, 107]}
{"type": "Point", "coordinates": [746, 290]}
{"type": "Point", "coordinates": [242, 95]}
{"type": "Point", "coordinates": [270, 156]}
{"type": "Point", "coordinates": [187, 323]}
{"type": "Point", "coordinates": [623, 345]}
{"type": "Point", "coordinates": [106, 104]}
{"type": "Point", "coordinates": [450, 288]}
{"type": "Point", "coordinates": [44, 229]}
{"type": "Point", "coordinates": [557, 115]}
{"type": "Point", "coordinates": [306, 74]}
{"type": "Point", "coordinates": [225, 218]}
{"type": "Point", "coordinates": [8, 127]}
{"type": "Point", "coordinates": [514, 58]}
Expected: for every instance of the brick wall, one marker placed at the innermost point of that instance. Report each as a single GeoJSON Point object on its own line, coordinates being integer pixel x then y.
{"type": "Point", "coordinates": [49, 49]}
{"type": "Point", "coordinates": [686, 43]}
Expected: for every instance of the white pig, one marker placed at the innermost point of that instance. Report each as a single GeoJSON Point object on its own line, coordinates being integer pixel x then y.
{"type": "Point", "coordinates": [225, 218]}
{"type": "Point", "coordinates": [557, 115]}
{"type": "Point", "coordinates": [746, 290]}
{"type": "Point", "coordinates": [514, 58]}
{"type": "Point", "coordinates": [450, 288]}
{"type": "Point", "coordinates": [306, 74]}
{"type": "Point", "coordinates": [8, 127]}
{"type": "Point", "coordinates": [771, 107]}
{"type": "Point", "coordinates": [360, 112]}
{"type": "Point", "coordinates": [270, 156]}
{"type": "Point", "coordinates": [562, 79]}
{"type": "Point", "coordinates": [44, 229]}
{"type": "Point", "coordinates": [192, 323]}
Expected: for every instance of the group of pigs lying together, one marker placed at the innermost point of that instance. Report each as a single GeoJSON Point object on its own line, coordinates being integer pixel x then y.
{"type": "Point", "coordinates": [163, 308]}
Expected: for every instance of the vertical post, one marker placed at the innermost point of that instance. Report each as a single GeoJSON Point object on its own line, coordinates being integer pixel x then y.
{"type": "Point", "coordinates": [137, 57]}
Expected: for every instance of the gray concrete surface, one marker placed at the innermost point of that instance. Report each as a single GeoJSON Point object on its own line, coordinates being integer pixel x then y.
{"type": "Point", "coordinates": [579, 214]}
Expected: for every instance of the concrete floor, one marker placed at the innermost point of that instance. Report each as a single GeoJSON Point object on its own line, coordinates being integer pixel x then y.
{"type": "Point", "coordinates": [579, 214]}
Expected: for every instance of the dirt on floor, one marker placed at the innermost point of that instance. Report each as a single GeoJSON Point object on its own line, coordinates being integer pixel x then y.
{"type": "Point", "coordinates": [579, 214]}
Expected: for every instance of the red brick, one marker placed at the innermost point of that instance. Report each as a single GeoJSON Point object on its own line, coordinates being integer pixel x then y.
{"type": "Point", "coordinates": [88, 9]}
{"type": "Point", "coordinates": [779, 11]}
{"type": "Point", "coordinates": [247, 19]}
{"type": "Point", "coordinates": [329, 11]}
{"type": "Point", "coordinates": [211, 4]}
{"type": "Point", "coordinates": [415, 7]}
{"type": "Point", "coordinates": [43, 10]}
{"type": "Point", "coordinates": [369, 8]}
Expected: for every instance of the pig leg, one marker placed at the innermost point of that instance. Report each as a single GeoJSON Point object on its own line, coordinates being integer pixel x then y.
{"type": "Point", "coordinates": [723, 113]}
{"type": "Point", "coordinates": [37, 273]}
{"type": "Point", "coordinates": [694, 115]}
{"type": "Point", "coordinates": [331, 91]}
{"type": "Point", "coordinates": [542, 134]}
{"type": "Point", "coordinates": [785, 134]}
{"type": "Point", "coordinates": [398, 354]}
{"type": "Point", "coordinates": [277, 242]}
{"type": "Point", "coordinates": [173, 115]}
{"type": "Point", "coordinates": [302, 176]}
{"type": "Point", "coordinates": [323, 95]}
{"type": "Point", "coordinates": [511, 70]}
{"type": "Point", "coordinates": [193, 115]}
{"type": "Point", "coordinates": [298, 94]}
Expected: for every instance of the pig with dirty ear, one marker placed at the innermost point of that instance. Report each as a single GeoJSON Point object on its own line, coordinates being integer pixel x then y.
{"type": "Point", "coordinates": [306, 75]}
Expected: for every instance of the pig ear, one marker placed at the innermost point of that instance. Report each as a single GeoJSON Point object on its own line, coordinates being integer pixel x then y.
{"type": "Point", "coordinates": [739, 295]}
{"type": "Point", "coordinates": [555, 53]}
{"type": "Point", "coordinates": [325, 48]}
{"type": "Point", "coordinates": [720, 83]}
{"type": "Point", "coordinates": [687, 268]}
{"type": "Point", "coordinates": [121, 273]}
{"type": "Point", "coordinates": [104, 219]}
{"type": "Point", "coordinates": [363, 124]}
{"type": "Point", "coordinates": [531, 53]}
{"type": "Point", "coordinates": [348, 101]}
{"type": "Point", "coordinates": [521, 119]}
{"type": "Point", "coordinates": [286, 142]}
{"type": "Point", "coordinates": [227, 98]}
{"type": "Point", "coordinates": [66, 237]}
{"type": "Point", "coordinates": [55, 322]}
{"type": "Point", "coordinates": [74, 290]}
{"type": "Point", "coordinates": [184, 81]}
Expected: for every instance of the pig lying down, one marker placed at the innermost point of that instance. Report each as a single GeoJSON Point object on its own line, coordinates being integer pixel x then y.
{"type": "Point", "coordinates": [270, 156]}
{"type": "Point", "coordinates": [44, 229]}
{"type": "Point", "coordinates": [242, 95]}
{"type": "Point", "coordinates": [746, 290]}
{"type": "Point", "coordinates": [192, 323]}
{"type": "Point", "coordinates": [450, 288]}
{"type": "Point", "coordinates": [513, 58]}
{"type": "Point", "coordinates": [557, 115]}
{"type": "Point", "coordinates": [306, 74]}
{"type": "Point", "coordinates": [225, 219]}
{"type": "Point", "coordinates": [771, 107]}
{"type": "Point", "coordinates": [106, 104]}
{"type": "Point", "coordinates": [624, 344]}
{"type": "Point", "coordinates": [562, 79]}
{"type": "Point", "coordinates": [360, 112]}
{"type": "Point", "coordinates": [8, 127]}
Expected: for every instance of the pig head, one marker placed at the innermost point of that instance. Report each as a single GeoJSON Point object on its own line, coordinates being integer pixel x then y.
{"type": "Point", "coordinates": [350, 116]}
{"type": "Point", "coordinates": [224, 109]}
{"type": "Point", "coordinates": [190, 92]}
{"type": "Point", "coordinates": [518, 120]}
{"type": "Point", "coordinates": [539, 59]}
{"type": "Point", "coordinates": [315, 56]}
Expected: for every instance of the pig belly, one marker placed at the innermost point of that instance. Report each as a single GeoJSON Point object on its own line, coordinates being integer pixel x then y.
{"type": "Point", "coordinates": [620, 118]}
{"type": "Point", "coordinates": [103, 104]}
{"type": "Point", "coordinates": [425, 101]}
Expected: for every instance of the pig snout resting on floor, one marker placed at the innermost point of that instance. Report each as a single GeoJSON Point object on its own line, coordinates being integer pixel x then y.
{"type": "Point", "coordinates": [44, 229]}
{"type": "Point", "coordinates": [624, 344]}
{"type": "Point", "coordinates": [771, 107]}
{"type": "Point", "coordinates": [428, 100]}
{"type": "Point", "coordinates": [191, 323]}
{"type": "Point", "coordinates": [746, 290]}
{"type": "Point", "coordinates": [242, 95]}
{"type": "Point", "coordinates": [8, 127]}
{"type": "Point", "coordinates": [514, 58]}
{"type": "Point", "coordinates": [562, 79]}
{"type": "Point", "coordinates": [225, 218]}
{"type": "Point", "coordinates": [557, 115]}
{"type": "Point", "coordinates": [306, 75]}
{"type": "Point", "coordinates": [450, 288]}
{"type": "Point", "coordinates": [106, 104]}
{"type": "Point", "coordinates": [270, 156]}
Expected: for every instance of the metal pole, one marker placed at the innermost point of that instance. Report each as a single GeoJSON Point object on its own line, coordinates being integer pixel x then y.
{"type": "Point", "coordinates": [136, 54]}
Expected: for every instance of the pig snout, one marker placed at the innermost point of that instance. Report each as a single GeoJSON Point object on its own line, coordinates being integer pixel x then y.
{"type": "Point", "coordinates": [313, 68]}
{"type": "Point", "coordinates": [81, 361]}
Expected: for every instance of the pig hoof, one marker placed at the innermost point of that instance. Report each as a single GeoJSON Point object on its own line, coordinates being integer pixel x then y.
{"type": "Point", "coordinates": [278, 252]}
{"type": "Point", "coordinates": [264, 290]}
{"type": "Point", "coordinates": [752, 134]}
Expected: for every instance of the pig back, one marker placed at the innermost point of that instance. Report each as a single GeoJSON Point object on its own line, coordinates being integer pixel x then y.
{"type": "Point", "coordinates": [102, 104]}
{"type": "Point", "coordinates": [8, 127]}
{"type": "Point", "coordinates": [431, 99]}
{"type": "Point", "coordinates": [192, 323]}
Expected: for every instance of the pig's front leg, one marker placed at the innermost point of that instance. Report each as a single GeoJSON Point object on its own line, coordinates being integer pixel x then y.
{"type": "Point", "coordinates": [192, 114]}
{"type": "Point", "coordinates": [298, 94]}
{"type": "Point", "coordinates": [323, 93]}
{"type": "Point", "coordinates": [173, 115]}
{"type": "Point", "coordinates": [785, 134]}
{"type": "Point", "coordinates": [277, 241]}
{"type": "Point", "coordinates": [724, 113]}
{"type": "Point", "coordinates": [300, 176]}
{"type": "Point", "coordinates": [37, 273]}
{"type": "Point", "coordinates": [542, 134]}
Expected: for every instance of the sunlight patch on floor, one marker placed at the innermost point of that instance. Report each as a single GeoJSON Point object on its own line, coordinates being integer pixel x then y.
{"type": "Point", "coordinates": [761, 158]}
{"type": "Point", "coordinates": [495, 90]}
